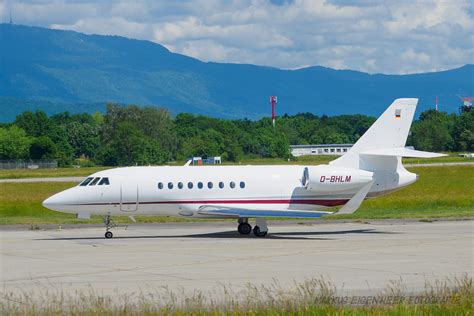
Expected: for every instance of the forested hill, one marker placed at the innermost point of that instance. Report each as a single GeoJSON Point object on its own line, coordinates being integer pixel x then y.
{"type": "Point", "coordinates": [68, 71]}
{"type": "Point", "coordinates": [130, 135]}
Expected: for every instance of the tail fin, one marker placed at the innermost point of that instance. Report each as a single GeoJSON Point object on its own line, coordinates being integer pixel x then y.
{"type": "Point", "coordinates": [380, 150]}
{"type": "Point", "coordinates": [389, 131]}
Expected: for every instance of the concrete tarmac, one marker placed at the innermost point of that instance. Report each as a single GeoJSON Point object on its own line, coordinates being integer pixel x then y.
{"type": "Point", "coordinates": [358, 258]}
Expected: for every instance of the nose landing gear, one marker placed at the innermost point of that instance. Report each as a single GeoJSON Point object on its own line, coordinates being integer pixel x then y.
{"type": "Point", "coordinates": [109, 223]}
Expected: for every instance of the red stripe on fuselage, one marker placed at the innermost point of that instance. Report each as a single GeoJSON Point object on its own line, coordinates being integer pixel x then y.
{"type": "Point", "coordinates": [281, 201]}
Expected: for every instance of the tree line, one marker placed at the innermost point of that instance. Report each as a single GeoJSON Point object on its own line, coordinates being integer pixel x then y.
{"type": "Point", "coordinates": [132, 135]}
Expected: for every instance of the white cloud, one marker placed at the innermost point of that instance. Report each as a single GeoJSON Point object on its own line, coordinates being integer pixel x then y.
{"type": "Point", "coordinates": [393, 36]}
{"type": "Point", "coordinates": [110, 26]}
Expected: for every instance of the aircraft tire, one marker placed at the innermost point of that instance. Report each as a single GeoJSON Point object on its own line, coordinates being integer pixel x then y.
{"type": "Point", "coordinates": [109, 235]}
{"type": "Point", "coordinates": [258, 233]}
{"type": "Point", "coordinates": [244, 228]}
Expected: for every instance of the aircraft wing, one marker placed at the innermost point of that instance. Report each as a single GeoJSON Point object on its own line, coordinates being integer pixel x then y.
{"type": "Point", "coordinates": [239, 212]}
{"type": "Point", "coordinates": [354, 203]}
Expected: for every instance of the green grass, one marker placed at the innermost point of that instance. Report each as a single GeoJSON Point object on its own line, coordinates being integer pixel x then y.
{"type": "Point", "coordinates": [311, 297]}
{"type": "Point", "coordinates": [453, 157]}
{"type": "Point", "coordinates": [45, 173]}
{"type": "Point", "coordinates": [440, 192]}
{"type": "Point", "coordinates": [311, 160]}
{"type": "Point", "coordinates": [324, 159]}
{"type": "Point", "coordinates": [303, 160]}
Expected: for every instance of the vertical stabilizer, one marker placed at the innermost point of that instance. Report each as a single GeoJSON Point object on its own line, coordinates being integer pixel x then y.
{"type": "Point", "coordinates": [389, 131]}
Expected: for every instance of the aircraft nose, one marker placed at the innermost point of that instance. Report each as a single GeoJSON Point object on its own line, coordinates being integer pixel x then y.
{"type": "Point", "coordinates": [52, 202]}
{"type": "Point", "coordinates": [62, 201]}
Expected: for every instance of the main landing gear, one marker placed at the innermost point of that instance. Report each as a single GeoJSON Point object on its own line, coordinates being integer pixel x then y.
{"type": "Point", "coordinates": [109, 223]}
{"type": "Point", "coordinates": [260, 229]}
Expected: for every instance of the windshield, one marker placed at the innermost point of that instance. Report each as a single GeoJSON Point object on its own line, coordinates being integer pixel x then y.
{"type": "Point", "coordinates": [86, 181]}
{"type": "Point", "coordinates": [91, 181]}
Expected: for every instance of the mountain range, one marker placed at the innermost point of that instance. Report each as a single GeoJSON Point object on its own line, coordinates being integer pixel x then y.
{"type": "Point", "coordinates": [58, 71]}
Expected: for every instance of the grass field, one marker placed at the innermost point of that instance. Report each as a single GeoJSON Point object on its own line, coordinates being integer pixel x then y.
{"type": "Point", "coordinates": [440, 192]}
{"type": "Point", "coordinates": [312, 297]}
{"type": "Point", "coordinates": [304, 160]}
{"type": "Point", "coordinates": [45, 173]}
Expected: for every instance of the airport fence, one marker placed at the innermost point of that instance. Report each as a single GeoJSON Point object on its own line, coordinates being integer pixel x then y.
{"type": "Point", "coordinates": [28, 164]}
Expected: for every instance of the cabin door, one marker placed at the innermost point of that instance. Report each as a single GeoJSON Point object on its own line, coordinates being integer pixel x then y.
{"type": "Point", "coordinates": [129, 197]}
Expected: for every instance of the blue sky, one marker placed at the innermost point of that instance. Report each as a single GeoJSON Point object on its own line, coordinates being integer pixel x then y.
{"type": "Point", "coordinates": [368, 35]}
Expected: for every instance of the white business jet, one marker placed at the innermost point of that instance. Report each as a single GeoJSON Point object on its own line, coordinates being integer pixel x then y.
{"type": "Point", "coordinates": [370, 168]}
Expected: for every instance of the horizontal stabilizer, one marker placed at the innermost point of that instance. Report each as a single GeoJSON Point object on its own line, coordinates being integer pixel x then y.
{"type": "Point", "coordinates": [401, 152]}
{"type": "Point", "coordinates": [236, 213]}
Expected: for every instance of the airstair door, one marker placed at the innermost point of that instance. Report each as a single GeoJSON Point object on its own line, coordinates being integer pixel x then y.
{"type": "Point", "coordinates": [129, 197]}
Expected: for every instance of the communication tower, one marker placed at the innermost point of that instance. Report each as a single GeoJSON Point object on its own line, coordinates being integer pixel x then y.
{"type": "Point", "coordinates": [273, 102]}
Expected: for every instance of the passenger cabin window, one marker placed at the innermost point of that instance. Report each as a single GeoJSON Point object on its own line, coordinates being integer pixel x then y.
{"type": "Point", "coordinates": [104, 181]}
{"type": "Point", "coordinates": [170, 185]}
{"type": "Point", "coordinates": [94, 182]}
{"type": "Point", "coordinates": [86, 182]}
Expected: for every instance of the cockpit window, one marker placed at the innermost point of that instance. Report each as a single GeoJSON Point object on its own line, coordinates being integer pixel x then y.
{"type": "Point", "coordinates": [94, 182]}
{"type": "Point", "coordinates": [104, 181]}
{"type": "Point", "coordinates": [86, 182]}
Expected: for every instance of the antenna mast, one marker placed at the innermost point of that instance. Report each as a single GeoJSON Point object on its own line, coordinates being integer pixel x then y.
{"type": "Point", "coordinates": [273, 101]}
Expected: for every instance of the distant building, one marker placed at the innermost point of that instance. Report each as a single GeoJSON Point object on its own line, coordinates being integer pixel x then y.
{"type": "Point", "coordinates": [196, 160]}
{"type": "Point", "coordinates": [212, 160]}
{"type": "Point", "coordinates": [324, 149]}
{"type": "Point", "coordinates": [208, 161]}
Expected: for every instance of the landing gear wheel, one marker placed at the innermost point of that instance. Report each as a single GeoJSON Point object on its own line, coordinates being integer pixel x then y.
{"type": "Point", "coordinates": [244, 228]}
{"type": "Point", "coordinates": [108, 225]}
{"type": "Point", "coordinates": [258, 233]}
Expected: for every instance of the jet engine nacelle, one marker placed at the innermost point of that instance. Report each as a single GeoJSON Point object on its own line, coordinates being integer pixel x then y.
{"type": "Point", "coordinates": [325, 178]}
